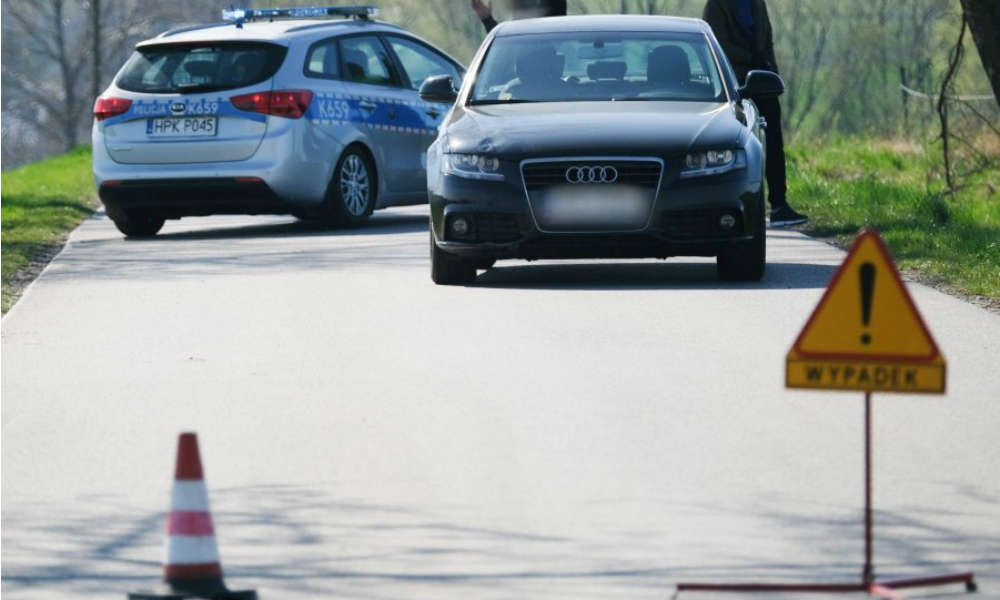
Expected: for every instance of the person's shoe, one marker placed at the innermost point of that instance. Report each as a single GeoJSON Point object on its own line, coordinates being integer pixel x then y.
{"type": "Point", "coordinates": [784, 216]}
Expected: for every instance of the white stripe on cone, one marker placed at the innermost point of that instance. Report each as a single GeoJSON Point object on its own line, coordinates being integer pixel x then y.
{"type": "Point", "coordinates": [189, 494]}
{"type": "Point", "coordinates": [191, 550]}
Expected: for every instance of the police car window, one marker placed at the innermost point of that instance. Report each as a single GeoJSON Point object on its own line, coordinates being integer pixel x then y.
{"type": "Point", "coordinates": [364, 60]}
{"type": "Point", "coordinates": [192, 68]}
{"type": "Point", "coordinates": [324, 60]}
{"type": "Point", "coordinates": [596, 66]}
{"type": "Point", "coordinates": [420, 62]}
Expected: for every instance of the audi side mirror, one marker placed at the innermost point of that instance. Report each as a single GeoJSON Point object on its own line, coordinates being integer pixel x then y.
{"type": "Point", "coordinates": [439, 88]}
{"type": "Point", "coordinates": [762, 85]}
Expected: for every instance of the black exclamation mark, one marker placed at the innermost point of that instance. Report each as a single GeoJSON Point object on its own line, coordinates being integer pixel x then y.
{"type": "Point", "coordinates": [867, 273]}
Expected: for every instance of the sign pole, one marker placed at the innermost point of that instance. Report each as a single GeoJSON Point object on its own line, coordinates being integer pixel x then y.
{"type": "Point", "coordinates": [868, 573]}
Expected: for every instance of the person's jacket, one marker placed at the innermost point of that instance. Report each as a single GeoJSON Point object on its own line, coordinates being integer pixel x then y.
{"type": "Point", "coordinates": [744, 52]}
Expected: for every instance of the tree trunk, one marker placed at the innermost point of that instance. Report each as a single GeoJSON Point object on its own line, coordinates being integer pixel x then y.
{"type": "Point", "coordinates": [95, 26]}
{"type": "Point", "coordinates": [983, 17]}
{"type": "Point", "coordinates": [67, 76]}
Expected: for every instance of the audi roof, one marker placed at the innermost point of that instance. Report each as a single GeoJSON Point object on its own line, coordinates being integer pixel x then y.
{"type": "Point", "coordinates": [602, 23]}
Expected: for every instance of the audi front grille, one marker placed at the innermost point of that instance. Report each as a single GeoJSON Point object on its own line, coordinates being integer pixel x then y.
{"type": "Point", "coordinates": [644, 173]}
{"type": "Point", "coordinates": [591, 194]}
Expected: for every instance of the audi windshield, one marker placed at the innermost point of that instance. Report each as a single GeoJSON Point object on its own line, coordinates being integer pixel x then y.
{"type": "Point", "coordinates": [594, 66]}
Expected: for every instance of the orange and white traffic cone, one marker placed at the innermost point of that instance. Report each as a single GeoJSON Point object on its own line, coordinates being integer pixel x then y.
{"type": "Point", "coordinates": [192, 568]}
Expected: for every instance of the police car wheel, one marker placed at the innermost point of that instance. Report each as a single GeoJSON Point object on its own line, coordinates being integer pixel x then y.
{"type": "Point", "coordinates": [350, 198]}
{"type": "Point", "coordinates": [134, 223]}
{"type": "Point", "coordinates": [745, 262]}
{"type": "Point", "coordinates": [450, 270]}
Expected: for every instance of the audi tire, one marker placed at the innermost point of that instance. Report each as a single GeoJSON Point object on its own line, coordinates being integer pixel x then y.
{"type": "Point", "coordinates": [745, 261]}
{"type": "Point", "coordinates": [447, 269]}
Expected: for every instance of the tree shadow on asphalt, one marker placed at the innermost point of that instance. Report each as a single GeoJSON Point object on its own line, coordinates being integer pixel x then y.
{"type": "Point", "coordinates": [917, 539]}
{"type": "Point", "coordinates": [380, 224]}
{"type": "Point", "coordinates": [309, 541]}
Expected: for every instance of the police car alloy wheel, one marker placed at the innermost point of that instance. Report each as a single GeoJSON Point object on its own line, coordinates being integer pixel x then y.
{"type": "Point", "coordinates": [351, 197]}
{"type": "Point", "coordinates": [355, 186]}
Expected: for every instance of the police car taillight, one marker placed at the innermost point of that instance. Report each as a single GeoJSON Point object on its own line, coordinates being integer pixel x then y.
{"type": "Point", "coordinates": [291, 104]}
{"type": "Point", "coordinates": [105, 108]}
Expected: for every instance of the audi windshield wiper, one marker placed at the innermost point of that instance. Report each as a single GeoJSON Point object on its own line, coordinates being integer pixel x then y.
{"type": "Point", "coordinates": [511, 101]}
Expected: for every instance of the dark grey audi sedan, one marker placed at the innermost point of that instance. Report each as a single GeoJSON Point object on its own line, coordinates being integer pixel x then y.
{"type": "Point", "coordinates": [598, 137]}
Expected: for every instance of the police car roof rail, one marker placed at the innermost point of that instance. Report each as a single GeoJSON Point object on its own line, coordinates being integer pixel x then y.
{"type": "Point", "coordinates": [238, 16]}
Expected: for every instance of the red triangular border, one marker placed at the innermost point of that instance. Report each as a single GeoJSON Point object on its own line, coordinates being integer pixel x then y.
{"type": "Point", "coordinates": [887, 256]}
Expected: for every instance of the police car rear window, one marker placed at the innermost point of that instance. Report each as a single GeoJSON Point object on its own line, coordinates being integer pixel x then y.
{"type": "Point", "coordinates": [193, 68]}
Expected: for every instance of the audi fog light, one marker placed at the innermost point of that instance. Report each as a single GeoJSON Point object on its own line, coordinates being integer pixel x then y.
{"type": "Point", "coordinates": [460, 226]}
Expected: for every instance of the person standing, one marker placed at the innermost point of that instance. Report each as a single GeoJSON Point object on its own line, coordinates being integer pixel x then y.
{"type": "Point", "coordinates": [743, 29]}
{"type": "Point", "coordinates": [521, 9]}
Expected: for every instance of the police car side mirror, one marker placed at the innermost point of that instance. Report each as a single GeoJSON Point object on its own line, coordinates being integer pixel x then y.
{"type": "Point", "coordinates": [762, 85]}
{"type": "Point", "coordinates": [439, 88]}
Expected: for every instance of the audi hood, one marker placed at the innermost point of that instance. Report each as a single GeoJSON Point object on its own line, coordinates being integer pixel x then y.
{"type": "Point", "coordinates": [544, 129]}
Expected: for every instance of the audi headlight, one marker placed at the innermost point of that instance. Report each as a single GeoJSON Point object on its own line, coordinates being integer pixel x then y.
{"type": "Point", "coordinates": [713, 162]}
{"type": "Point", "coordinates": [473, 166]}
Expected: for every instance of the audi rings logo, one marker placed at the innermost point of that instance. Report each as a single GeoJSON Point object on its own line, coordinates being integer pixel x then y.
{"type": "Point", "coordinates": [584, 174]}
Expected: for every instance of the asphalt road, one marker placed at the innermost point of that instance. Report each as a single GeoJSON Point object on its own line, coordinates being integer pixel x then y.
{"type": "Point", "coordinates": [576, 430]}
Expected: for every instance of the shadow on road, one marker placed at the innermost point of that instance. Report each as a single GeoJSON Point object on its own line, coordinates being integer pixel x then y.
{"type": "Point", "coordinates": [312, 542]}
{"type": "Point", "coordinates": [379, 224]}
{"type": "Point", "coordinates": [645, 276]}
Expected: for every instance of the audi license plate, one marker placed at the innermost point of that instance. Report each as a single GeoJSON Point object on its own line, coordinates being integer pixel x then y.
{"type": "Point", "coordinates": [593, 207]}
{"type": "Point", "coordinates": [182, 127]}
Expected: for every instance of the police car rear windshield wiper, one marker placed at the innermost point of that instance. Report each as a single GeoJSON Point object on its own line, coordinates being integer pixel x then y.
{"type": "Point", "coordinates": [190, 88]}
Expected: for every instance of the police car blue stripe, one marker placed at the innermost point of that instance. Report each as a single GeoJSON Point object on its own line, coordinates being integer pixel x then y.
{"type": "Point", "coordinates": [204, 107]}
{"type": "Point", "coordinates": [409, 116]}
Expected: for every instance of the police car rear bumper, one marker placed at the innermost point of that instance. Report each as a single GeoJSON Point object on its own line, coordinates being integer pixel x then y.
{"type": "Point", "coordinates": [175, 198]}
{"type": "Point", "coordinates": [295, 178]}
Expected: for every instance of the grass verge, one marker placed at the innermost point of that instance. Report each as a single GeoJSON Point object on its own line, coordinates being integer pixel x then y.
{"type": "Point", "coordinates": [950, 240]}
{"type": "Point", "coordinates": [41, 203]}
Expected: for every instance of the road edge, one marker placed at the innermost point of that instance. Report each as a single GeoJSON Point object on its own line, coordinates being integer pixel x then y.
{"type": "Point", "coordinates": [24, 280]}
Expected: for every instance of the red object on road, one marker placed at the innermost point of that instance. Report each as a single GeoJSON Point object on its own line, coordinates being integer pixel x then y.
{"type": "Point", "coordinates": [191, 568]}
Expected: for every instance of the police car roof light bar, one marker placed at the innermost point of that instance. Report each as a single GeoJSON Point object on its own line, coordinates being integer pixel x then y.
{"type": "Point", "coordinates": [243, 15]}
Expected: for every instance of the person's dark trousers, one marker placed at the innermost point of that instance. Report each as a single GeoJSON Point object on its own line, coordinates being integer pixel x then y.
{"type": "Point", "coordinates": [776, 185]}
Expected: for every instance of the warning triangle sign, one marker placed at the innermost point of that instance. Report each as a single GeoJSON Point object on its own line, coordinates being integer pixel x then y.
{"type": "Point", "coordinates": [866, 312]}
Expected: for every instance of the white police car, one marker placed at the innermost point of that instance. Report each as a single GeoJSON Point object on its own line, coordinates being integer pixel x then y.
{"type": "Point", "coordinates": [261, 114]}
